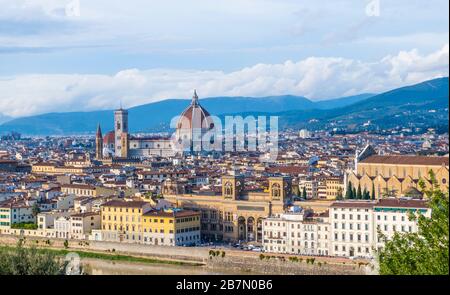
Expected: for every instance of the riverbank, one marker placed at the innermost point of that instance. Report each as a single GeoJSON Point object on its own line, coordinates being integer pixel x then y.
{"type": "Point", "coordinates": [106, 267]}
{"type": "Point", "coordinates": [214, 260]}
{"type": "Point", "coordinates": [105, 256]}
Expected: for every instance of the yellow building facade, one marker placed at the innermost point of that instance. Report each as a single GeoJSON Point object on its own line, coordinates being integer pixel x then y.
{"type": "Point", "coordinates": [138, 222]}
{"type": "Point", "coordinates": [122, 220]}
{"type": "Point", "coordinates": [52, 169]}
{"type": "Point", "coordinates": [171, 227]}
{"type": "Point", "coordinates": [334, 186]}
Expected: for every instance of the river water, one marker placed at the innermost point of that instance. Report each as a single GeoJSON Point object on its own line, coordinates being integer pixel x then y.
{"type": "Point", "coordinates": [106, 267]}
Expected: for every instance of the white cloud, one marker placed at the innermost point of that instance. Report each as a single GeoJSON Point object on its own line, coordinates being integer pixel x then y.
{"type": "Point", "coordinates": [313, 77]}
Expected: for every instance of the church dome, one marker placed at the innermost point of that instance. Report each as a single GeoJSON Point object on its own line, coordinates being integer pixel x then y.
{"type": "Point", "coordinates": [108, 139]}
{"type": "Point", "coordinates": [192, 124]}
{"type": "Point", "coordinates": [195, 116]}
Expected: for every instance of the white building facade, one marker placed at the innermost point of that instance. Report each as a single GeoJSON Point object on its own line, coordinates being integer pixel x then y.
{"type": "Point", "coordinates": [349, 229]}
{"type": "Point", "coordinates": [293, 233]}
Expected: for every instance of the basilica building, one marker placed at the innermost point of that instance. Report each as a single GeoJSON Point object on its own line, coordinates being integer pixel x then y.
{"type": "Point", "coordinates": [396, 175]}
{"type": "Point", "coordinates": [192, 125]}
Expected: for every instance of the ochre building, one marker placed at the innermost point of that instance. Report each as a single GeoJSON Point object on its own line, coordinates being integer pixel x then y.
{"type": "Point", "coordinates": [397, 175]}
{"type": "Point", "coordinates": [236, 214]}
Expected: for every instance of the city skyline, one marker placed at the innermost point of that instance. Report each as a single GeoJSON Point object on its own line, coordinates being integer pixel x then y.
{"type": "Point", "coordinates": [216, 137]}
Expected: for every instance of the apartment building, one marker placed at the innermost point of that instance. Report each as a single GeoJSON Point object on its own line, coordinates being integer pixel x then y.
{"type": "Point", "coordinates": [46, 220]}
{"type": "Point", "coordinates": [352, 228]}
{"type": "Point", "coordinates": [311, 187]}
{"type": "Point", "coordinates": [82, 224]}
{"type": "Point", "coordinates": [122, 220]}
{"type": "Point", "coordinates": [80, 190]}
{"type": "Point", "coordinates": [348, 229]}
{"type": "Point", "coordinates": [13, 211]}
{"type": "Point", "coordinates": [171, 227]}
{"type": "Point", "coordinates": [298, 232]}
{"type": "Point", "coordinates": [355, 224]}
{"type": "Point", "coordinates": [62, 227]}
{"type": "Point", "coordinates": [391, 216]}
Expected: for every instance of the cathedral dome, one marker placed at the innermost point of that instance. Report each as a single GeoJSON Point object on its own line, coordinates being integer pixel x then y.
{"type": "Point", "coordinates": [195, 116]}
{"type": "Point", "coordinates": [192, 124]}
{"type": "Point", "coordinates": [108, 139]}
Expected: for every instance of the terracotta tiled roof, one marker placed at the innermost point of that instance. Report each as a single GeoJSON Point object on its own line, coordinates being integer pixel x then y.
{"type": "Point", "coordinates": [195, 116]}
{"type": "Point", "coordinates": [353, 204]}
{"type": "Point", "coordinates": [130, 204]}
{"type": "Point", "coordinates": [183, 213]}
{"type": "Point", "coordinates": [407, 160]}
{"type": "Point", "coordinates": [109, 138]}
{"type": "Point", "coordinates": [402, 203]}
{"type": "Point", "coordinates": [80, 186]}
{"type": "Point", "coordinates": [293, 170]}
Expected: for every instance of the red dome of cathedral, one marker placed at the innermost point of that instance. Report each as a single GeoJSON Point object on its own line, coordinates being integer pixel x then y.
{"type": "Point", "coordinates": [108, 139]}
{"type": "Point", "coordinates": [193, 123]}
{"type": "Point", "coordinates": [195, 116]}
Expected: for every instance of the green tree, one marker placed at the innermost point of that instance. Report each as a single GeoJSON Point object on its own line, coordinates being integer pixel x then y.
{"type": "Point", "coordinates": [366, 194]}
{"type": "Point", "coordinates": [389, 193]}
{"type": "Point", "coordinates": [35, 210]}
{"type": "Point", "coordinates": [359, 193]}
{"type": "Point", "coordinates": [349, 191]}
{"type": "Point", "coordinates": [425, 251]}
{"type": "Point", "coordinates": [373, 192]}
{"type": "Point", "coordinates": [353, 193]}
{"type": "Point", "coordinates": [30, 261]}
{"type": "Point", "coordinates": [304, 195]}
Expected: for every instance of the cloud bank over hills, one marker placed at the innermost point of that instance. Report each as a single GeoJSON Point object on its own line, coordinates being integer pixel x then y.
{"type": "Point", "coordinates": [314, 77]}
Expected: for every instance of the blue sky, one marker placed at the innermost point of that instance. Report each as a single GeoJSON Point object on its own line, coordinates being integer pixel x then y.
{"type": "Point", "coordinates": [54, 56]}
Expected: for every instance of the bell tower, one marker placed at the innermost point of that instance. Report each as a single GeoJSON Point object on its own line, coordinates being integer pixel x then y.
{"type": "Point", "coordinates": [99, 144]}
{"type": "Point", "coordinates": [280, 188]}
{"type": "Point", "coordinates": [121, 133]}
{"type": "Point", "coordinates": [232, 186]}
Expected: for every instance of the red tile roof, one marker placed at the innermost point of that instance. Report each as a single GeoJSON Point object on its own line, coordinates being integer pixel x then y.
{"type": "Point", "coordinates": [402, 203]}
{"type": "Point", "coordinates": [407, 160]}
{"type": "Point", "coordinates": [129, 204]}
{"type": "Point", "coordinates": [353, 204]}
{"type": "Point", "coordinates": [183, 213]}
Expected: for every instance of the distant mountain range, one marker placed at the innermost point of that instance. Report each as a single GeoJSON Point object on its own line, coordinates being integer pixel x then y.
{"type": "Point", "coordinates": [424, 104]}
{"type": "Point", "coordinates": [154, 117]}
{"type": "Point", "coordinates": [4, 118]}
{"type": "Point", "coordinates": [421, 105]}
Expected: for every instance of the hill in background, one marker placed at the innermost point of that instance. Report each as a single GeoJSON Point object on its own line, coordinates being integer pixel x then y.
{"type": "Point", "coordinates": [420, 105]}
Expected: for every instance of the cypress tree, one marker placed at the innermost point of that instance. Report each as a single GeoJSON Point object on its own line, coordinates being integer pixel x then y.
{"type": "Point", "coordinates": [354, 193]}
{"type": "Point", "coordinates": [373, 192]}
{"type": "Point", "coordinates": [366, 195]}
{"type": "Point", "coordinates": [348, 191]}
{"type": "Point", "coordinates": [359, 193]}
{"type": "Point", "coordinates": [304, 193]}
